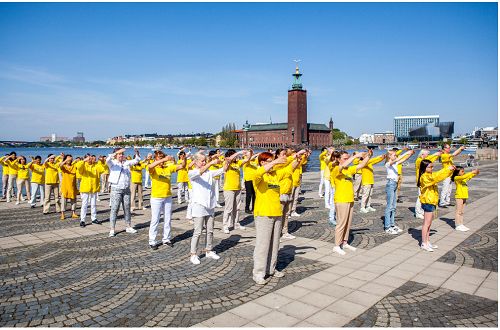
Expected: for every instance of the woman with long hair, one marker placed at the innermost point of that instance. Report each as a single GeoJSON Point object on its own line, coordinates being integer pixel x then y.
{"type": "Point", "coordinates": [429, 197]}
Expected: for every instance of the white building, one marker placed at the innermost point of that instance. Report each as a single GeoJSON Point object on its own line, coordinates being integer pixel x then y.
{"type": "Point", "coordinates": [403, 124]}
{"type": "Point", "coordinates": [366, 138]}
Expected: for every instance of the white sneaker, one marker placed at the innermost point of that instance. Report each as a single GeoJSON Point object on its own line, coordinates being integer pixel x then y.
{"type": "Point", "coordinates": [426, 247]}
{"type": "Point", "coordinates": [419, 216]}
{"type": "Point", "coordinates": [399, 230]}
{"type": "Point", "coordinates": [295, 214]}
{"type": "Point", "coordinates": [212, 255]}
{"type": "Point", "coordinates": [349, 247]}
{"type": "Point", "coordinates": [240, 227]}
{"type": "Point", "coordinates": [131, 230]}
{"type": "Point", "coordinates": [195, 260]}
{"type": "Point", "coordinates": [144, 208]}
{"type": "Point", "coordinates": [17, 203]}
{"type": "Point", "coordinates": [339, 250]}
{"type": "Point", "coordinates": [371, 209]}
{"type": "Point", "coordinates": [461, 228]}
{"type": "Point", "coordinates": [327, 207]}
{"type": "Point", "coordinates": [259, 280]}
{"type": "Point", "coordinates": [218, 205]}
{"type": "Point", "coordinates": [433, 246]}
{"type": "Point", "coordinates": [363, 210]}
{"type": "Point", "coordinates": [288, 236]}
{"type": "Point", "coordinates": [111, 233]}
{"type": "Point", "coordinates": [277, 274]}
{"type": "Point", "coordinates": [226, 230]}
{"type": "Point", "coordinates": [391, 231]}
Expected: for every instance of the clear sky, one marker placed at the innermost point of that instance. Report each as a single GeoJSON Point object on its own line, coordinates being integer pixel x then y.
{"type": "Point", "coordinates": [114, 68]}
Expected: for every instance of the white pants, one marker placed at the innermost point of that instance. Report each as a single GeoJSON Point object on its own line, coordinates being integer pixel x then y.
{"type": "Point", "coordinates": [147, 180]}
{"type": "Point", "coordinates": [182, 187]}
{"type": "Point", "coordinates": [34, 187]}
{"type": "Point", "coordinates": [418, 206]}
{"type": "Point", "coordinates": [86, 199]}
{"type": "Point", "coordinates": [190, 206]}
{"type": "Point", "coordinates": [327, 192]}
{"type": "Point", "coordinates": [11, 184]}
{"type": "Point", "coordinates": [445, 192]}
{"type": "Point", "coordinates": [321, 183]}
{"type": "Point", "coordinates": [157, 205]}
{"type": "Point", "coordinates": [217, 186]}
{"type": "Point", "coordinates": [366, 198]}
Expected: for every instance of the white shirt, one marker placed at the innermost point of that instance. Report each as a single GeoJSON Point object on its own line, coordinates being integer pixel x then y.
{"type": "Point", "coordinates": [119, 173]}
{"type": "Point", "coordinates": [203, 191]}
{"type": "Point", "coordinates": [392, 171]}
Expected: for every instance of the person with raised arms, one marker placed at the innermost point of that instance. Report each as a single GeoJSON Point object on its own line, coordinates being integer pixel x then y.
{"type": "Point", "coordinates": [423, 154]}
{"type": "Point", "coordinates": [447, 161]}
{"type": "Point", "coordinates": [90, 185]}
{"type": "Point", "coordinates": [37, 180]}
{"type": "Point", "coordinates": [68, 185]}
{"type": "Point", "coordinates": [461, 194]}
{"type": "Point", "coordinates": [52, 182]}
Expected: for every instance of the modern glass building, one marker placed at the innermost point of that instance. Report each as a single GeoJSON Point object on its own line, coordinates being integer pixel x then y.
{"type": "Point", "coordinates": [404, 124]}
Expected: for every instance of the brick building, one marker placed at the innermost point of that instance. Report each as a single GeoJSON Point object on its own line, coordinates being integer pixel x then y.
{"type": "Point", "coordinates": [297, 131]}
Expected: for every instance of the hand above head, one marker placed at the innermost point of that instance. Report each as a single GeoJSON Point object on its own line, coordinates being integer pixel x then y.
{"type": "Point", "coordinates": [476, 171]}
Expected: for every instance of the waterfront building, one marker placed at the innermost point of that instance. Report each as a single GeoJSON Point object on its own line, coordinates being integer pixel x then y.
{"type": "Point", "coordinates": [403, 124]}
{"type": "Point", "coordinates": [296, 131]}
{"type": "Point", "coordinates": [384, 138]}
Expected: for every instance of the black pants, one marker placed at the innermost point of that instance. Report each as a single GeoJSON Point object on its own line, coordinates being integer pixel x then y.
{"type": "Point", "coordinates": [249, 195]}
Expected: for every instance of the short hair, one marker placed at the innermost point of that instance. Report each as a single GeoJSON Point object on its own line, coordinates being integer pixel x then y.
{"type": "Point", "coordinates": [229, 153]}
{"type": "Point", "coordinates": [182, 153]}
{"type": "Point", "coordinates": [116, 149]}
{"type": "Point", "coordinates": [265, 156]}
{"type": "Point", "coordinates": [199, 156]}
{"type": "Point", "coordinates": [38, 157]}
{"type": "Point", "coordinates": [211, 153]}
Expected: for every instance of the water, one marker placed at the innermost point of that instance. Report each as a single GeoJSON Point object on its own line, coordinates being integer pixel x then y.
{"type": "Point", "coordinates": [312, 165]}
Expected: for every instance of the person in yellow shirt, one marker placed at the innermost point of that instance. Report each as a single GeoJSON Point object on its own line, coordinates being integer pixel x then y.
{"type": "Point", "coordinates": [342, 173]}
{"type": "Point", "coordinates": [104, 175]}
{"type": "Point", "coordinates": [11, 182]}
{"type": "Point", "coordinates": [78, 175]}
{"type": "Point", "coordinates": [322, 164]}
{"type": "Point", "coordinates": [68, 185]}
{"type": "Point", "coordinates": [232, 190]}
{"type": "Point", "coordinates": [161, 196]}
{"type": "Point", "coordinates": [461, 194]}
{"type": "Point", "coordinates": [51, 165]}
{"type": "Point", "coordinates": [325, 173]}
{"type": "Point", "coordinates": [447, 160]}
{"type": "Point", "coordinates": [136, 184]}
{"type": "Point", "coordinates": [182, 178]}
{"type": "Point", "coordinates": [147, 177]}
{"type": "Point", "coordinates": [90, 185]}
{"type": "Point", "coordinates": [211, 154]}
{"type": "Point", "coordinates": [423, 154]}
{"type": "Point", "coordinates": [249, 169]}
{"type": "Point", "coordinates": [429, 197]}
{"type": "Point", "coordinates": [367, 182]}
{"type": "Point", "coordinates": [296, 181]}
{"type": "Point", "coordinates": [23, 178]}
{"type": "Point", "coordinates": [5, 175]}
{"type": "Point", "coordinates": [268, 214]}
{"type": "Point", "coordinates": [357, 178]}
{"type": "Point", "coordinates": [37, 180]}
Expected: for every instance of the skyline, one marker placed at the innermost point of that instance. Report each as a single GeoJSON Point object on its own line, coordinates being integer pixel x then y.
{"type": "Point", "coordinates": [196, 67]}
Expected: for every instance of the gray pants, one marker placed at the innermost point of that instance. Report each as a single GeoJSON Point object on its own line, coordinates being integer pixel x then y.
{"type": "Point", "coordinates": [231, 208]}
{"type": "Point", "coordinates": [366, 198]}
{"type": "Point", "coordinates": [71, 201]}
{"type": "Point", "coordinates": [267, 244]}
{"type": "Point", "coordinates": [295, 199]}
{"type": "Point", "coordinates": [34, 188]}
{"type": "Point", "coordinates": [285, 207]}
{"type": "Point", "coordinates": [119, 197]}
{"type": "Point", "coordinates": [208, 221]}
{"type": "Point", "coordinates": [11, 184]}
{"type": "Point", "coordinates": [49, 188]}
{"type": "Point", "coordinates": [445, 197]}
{"type": "Point", "coordinates": [5, 183]}
{"type": "Point", "coordinates": [357, 185]}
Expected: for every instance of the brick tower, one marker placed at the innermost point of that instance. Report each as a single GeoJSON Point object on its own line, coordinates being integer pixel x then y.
{"type": "Point", "coordinates": [297, 112]}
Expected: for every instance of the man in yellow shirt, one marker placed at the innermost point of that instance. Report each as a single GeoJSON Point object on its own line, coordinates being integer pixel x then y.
{"type": "Point", "coordinates": [90, 185]}
{"type": "Point", "coordinates": [37, 180]}
{"type": "Point", "coordinates": [5, 175]}
{"type": "Point", "coordinates": [447, 161]}
{"type": "Point", "coordinates": [182, 178]}
{"type": "Point", "coordinates": [322, 164]}
{"type": "Point", "coordinates": [367, 182]}
{"type": "Point", "coordinates": [51, 165]}
{"type": "Point", "coordinates": [8, 161]}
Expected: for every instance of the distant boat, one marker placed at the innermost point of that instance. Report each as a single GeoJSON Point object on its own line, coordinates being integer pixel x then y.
{"type": "Point", "coordinates": [413, 146]}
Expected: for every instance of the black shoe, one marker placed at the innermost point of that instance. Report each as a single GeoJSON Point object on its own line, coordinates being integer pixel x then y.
{"type": "Point", "coordinates": [97, 222]}
{"type": "Point", "coordinates": [169, 244]}
{"type": "Point", "coordinates": [443, 206]}
{"type": "Point", "coordinates": [248, 212]}
{"type": "Point", "coordinates": [32, 206]}
{"type": "Point", "coordinates": [399, 201]}
{"type": "Point", "coordinates": [154, 247]}
{"type": "Point", "coordinates": [82, 224]}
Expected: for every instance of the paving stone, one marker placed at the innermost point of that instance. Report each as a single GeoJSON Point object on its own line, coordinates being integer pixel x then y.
{"type": "Point", "coordinates": [276, 319]}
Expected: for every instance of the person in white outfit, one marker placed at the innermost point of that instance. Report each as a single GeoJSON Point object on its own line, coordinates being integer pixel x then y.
{"type": "Point", "coordinates": [203, 201]}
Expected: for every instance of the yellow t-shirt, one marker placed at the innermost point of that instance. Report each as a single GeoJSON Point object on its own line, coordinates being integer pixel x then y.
{"type": "Point", "coordinates": [136, 172]}
{"type": "Point", "coordinates": [267, 192]}
{"type": "Point", "coordinates": [37, 173]}
{"type": "Point", "coordinates": [322, 158]}
{"type": "Point", "coordinates": [432, 158]}
{"type": "Point", "coordinates": [462, 191]}
{"type": "Point", "coordinates": [9, 164]}
{"type": "Point", "coordinates": [428, 185]}
{"type": "Point", "coordinates": [161, 180]}
{"type": "Point", "coordinates": [91, 176]}
{"type": "Point", "coordinates": [356, 162]}
{"type": "Point", "coordinates": [297, 173]}
{"type": "Point", "coordinates": [51, 173]}
{"type": "Point", "coordinates": [217, 166]}
{"type": "Point", "coordinates": [367, 171]}
{"type": "Point", "coordinates": [249, 169]}
{"type": "Point", "coordinates": [447, 160]}
{"type": "Point", "coordinates": [232, 177]}
{"type": "Point", "coordinates": [182, 174]}
{"type": "Point", "coordinates": [104, 167]}
{"type": "Point", "coordinates": [344, 191]}
{"type": "Point", "coordinates": [286, 183]}
{"type": "Point", "coordinates": [23, 171]}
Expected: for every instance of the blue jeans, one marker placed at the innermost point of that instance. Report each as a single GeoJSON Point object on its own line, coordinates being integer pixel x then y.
{"type": "Point", "coordinates": [390, 210]}
{"type": "Point", "coordinates": [332, 219]}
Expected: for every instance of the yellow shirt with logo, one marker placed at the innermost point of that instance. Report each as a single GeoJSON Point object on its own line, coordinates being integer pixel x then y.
{"type": "Point", "coordinates": [8, 166]}
{"type": "Point", "coordinates": [161, 180]}
{"type": "Point", "coordinates": [344, 191]}
{"type": "Point", "coordinates": [23, 171]}
{"type": "Point", "coordinates": [286, 183]}
{"type": "Point", "coordinates": [232, 177]}
{"type": "Point", "coordinates": [91, 177]}
{"type": "Point", "coordinates": [367, 171]}
{"type": "Point", "coordinates": [297, 173]}
{"type": "Point", "coordinates": [462, 191]}
{"type": "Point", "coordinates": [428, 185]}
{"type": "Point", "coordinates": [267, 192]}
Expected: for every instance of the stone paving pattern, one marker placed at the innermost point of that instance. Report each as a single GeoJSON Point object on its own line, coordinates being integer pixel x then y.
{"type": "Point", "coordinates": [419, 305]}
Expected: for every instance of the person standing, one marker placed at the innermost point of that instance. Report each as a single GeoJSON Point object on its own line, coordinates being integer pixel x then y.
{"type": "Point", "coordinates": [322, 164]}
{"type": "Point", "coordinates": [161, 196]}
{"type": "Point", "coordinates": [391, 186]}
{"type": "Point", "coordinates": [136, 185]}
{"type": "Point", "coordinates": [51, 165]}
{"type": "Point", "coordinates": [68, 185]}
{"type": "Point", "coordinates": [447, 161]}
{"type": "Point", "coordinates": [203, 204]}
{"type": "Point", "coordinates": [461, 194]}
{"type": "Point", "coordinates": [367, 182]}
{"type": "Point", "coordinates": [147, 177]}
{"type": "Point", "coordinates": [12, 172]}
{"type": "Point", "coordinates": [182, 178]}
{"type": "Point", "coordinates": [23, 178]}
{"type": "Point", "coordinates": [5, 175]}
{"type": "Point", "coordinates": [423, 154]}
{"type": "Point", "coordinates": [268, 215]}
{"type": "Point", "coordinates": [89, 187]}
{"type": "Point", "coordinates": [37, 180]}
{"type": "Point", "coordinates": [248, 171]}
{"type": "Point", "coordinates": [119, 178]}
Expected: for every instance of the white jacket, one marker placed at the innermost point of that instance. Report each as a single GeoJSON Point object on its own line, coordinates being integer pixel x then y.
{"type": "Point", "coordinates": [119, 173]}
{"type": "Point", "coordinates": [203, 187]}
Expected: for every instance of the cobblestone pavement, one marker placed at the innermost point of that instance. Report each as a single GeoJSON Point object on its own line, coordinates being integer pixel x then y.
{"type": "Point", "coordinates": [97, 281]}
{"type": "Point", "coordinates": [480, 250]}
{"type": "Point", "coordinates": [419, 305]}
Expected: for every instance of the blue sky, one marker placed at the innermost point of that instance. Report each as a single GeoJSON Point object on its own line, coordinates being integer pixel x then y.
{"type": "Point", "coordinates": [107, 69]}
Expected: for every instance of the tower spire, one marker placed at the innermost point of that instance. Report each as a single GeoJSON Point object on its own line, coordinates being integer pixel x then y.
{"type": "Point", "coordinates": [297, 85]}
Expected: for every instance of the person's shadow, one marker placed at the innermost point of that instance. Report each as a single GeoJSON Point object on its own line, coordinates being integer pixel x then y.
{"type": "Point", "coordinates": [416, 234]}
{"type": "Point", "coordinates": [449, 222]}
{"type": "Point", "coordinates": [286, 255]}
